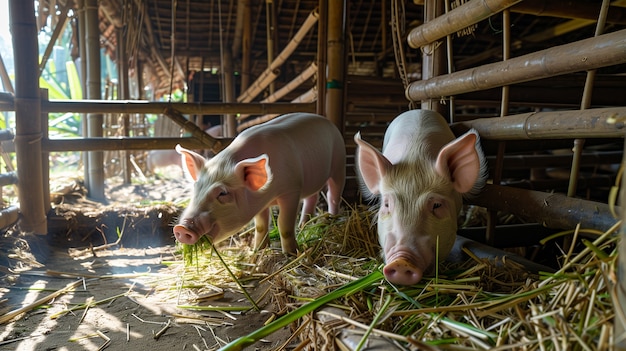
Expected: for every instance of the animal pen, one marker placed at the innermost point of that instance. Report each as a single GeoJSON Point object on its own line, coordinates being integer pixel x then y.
{"type": "Point", "coordinates": [538, 264]}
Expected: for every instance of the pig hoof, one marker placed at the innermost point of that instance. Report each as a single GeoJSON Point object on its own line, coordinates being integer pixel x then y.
{"type": "Point", "coordinates": [402, 272]}
{"type": "Point", "coordinates": [185, 235]}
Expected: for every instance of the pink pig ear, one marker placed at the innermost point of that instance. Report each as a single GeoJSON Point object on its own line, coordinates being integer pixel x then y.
{"type": "Point", "coordinates": [192, 162]}
{"type": "Point", "coordinates": [372, 164]}
{"type": "Point", "coordinates": [460, 161]}
{"type": "Point", "coordinates": [255, 172]}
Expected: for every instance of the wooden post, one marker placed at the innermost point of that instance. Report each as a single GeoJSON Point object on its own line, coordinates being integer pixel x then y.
{"type": "Point", "coordinates": [123, 94]}
{"type": "Point", "coordinates": [246, 59]}
{"type": "Point", "coordinates": [45, 157]}
{"type": "Point", "coordinates": [322, 36]}
{"type": "Point", "coordinates": [95, 167]}
{"type": "Point", "coordinates": [28, 117]}
{"type": "Point", "coordinates": [229, 127]}
{"type": "Point", "coordinates": [619, 327]}
{"type": "Point", "coordinates": [433, 56]}
{"type": "Point", "coordinates": [335, 82]}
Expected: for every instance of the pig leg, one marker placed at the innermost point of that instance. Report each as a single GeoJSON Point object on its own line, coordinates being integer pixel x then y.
{"type": "Point", "coordinates": [288, 211]}
{"type": "Point", "coordinates": [333, 194]}
{"type": "Point", "coordinates": [308, 208]}
{"type": "Point", "coordinates": [261, 225]}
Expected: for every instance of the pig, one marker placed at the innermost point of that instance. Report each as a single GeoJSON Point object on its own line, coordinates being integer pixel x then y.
{"type": "Point", "coordinates": [170, 157]}
{"type": "Point", "coordinates": [279, 162]}
{"type": "Point", "coordinates": [420, 178]}
{"type": "Point", "coordinates": [162, 158]}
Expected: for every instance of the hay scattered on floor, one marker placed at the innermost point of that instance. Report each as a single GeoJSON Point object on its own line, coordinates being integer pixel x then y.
{"type": "Point", "coordinates": [494, 304]}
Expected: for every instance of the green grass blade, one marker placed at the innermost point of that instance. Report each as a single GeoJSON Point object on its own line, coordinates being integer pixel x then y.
{"type": "Point", "coordinates": [285, 320]}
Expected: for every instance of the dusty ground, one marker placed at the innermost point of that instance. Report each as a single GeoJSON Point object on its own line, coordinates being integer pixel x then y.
{"type": "Point", "coordinates": [132, 290]}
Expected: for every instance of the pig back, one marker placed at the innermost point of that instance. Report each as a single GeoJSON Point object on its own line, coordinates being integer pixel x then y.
{"type": "Point", "coordinates": [423, 129]}
{"type": "Point", "coordinates": [304, 149]}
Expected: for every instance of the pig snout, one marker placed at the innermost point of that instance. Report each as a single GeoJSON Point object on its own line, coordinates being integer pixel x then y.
{"type": "Point", "coordinates": [402, 272]}
{"type": "Point", "coordinates": [185, 235]}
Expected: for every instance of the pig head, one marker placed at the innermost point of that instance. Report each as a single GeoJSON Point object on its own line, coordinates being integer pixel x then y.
{"type": "Point", "coordinates": [279, 162]}
{"type": "Point", "coordinates": [419, 177]}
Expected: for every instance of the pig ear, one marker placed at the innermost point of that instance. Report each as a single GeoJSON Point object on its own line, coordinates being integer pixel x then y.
{"type": "Point", "coordinates": [255, 172]}
{"type": "Point", "coordinates": [371, 163]}
{"type": "Point", "coordinates": [460, 161]}
{"type": "Point", "coordinates": [192, 162]}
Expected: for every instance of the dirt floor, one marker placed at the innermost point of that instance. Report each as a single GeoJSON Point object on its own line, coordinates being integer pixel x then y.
{"type": "Point", "coordinates": [124, 296]}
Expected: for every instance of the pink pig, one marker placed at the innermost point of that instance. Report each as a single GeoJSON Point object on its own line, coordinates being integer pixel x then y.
{"type": "Point", "coordinates": [280, 162]}
{"type": "Point", "coordinates": [419, 176]}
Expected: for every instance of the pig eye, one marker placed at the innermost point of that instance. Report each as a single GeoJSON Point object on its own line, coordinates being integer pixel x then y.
{"type": "Point", "coordinates": [436, 205]}
{"type": "Point", "coordinates": [223, 192]}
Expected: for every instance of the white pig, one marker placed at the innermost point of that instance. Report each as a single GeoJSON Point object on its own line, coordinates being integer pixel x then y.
{"type": "Point", "coordinates": [280, 162]}
{"type": "Point", "coordinates": [420, 177]}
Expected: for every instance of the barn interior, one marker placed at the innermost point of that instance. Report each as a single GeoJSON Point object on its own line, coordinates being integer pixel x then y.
{"type": "Point", "coordinates": [541, 82]}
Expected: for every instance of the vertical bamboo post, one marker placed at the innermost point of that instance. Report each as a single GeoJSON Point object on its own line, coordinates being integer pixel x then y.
{"type": "Point", "coordinates": [246, 44]}
{"type": "Point", "coordinates": [95, 166]}
{"type": "Point", "coordinates": [619, 326]}
{"type": "Point", "coordinates": [433, 55]}
{"type": "Point", "coordinates": [123, 94]}
{"type": "Point", "coordinates": [229, 127]}
{"type": "Point", "coordinates": [28, 117]}
{"type": "Point", "coordinates": [82, 68]}
{"type": "Point", "coordinates": [45, 156]}
{"type": "Point", "coordinates": [492, 217]}
{"type": "Point", "coordinates": [270, 25]}
{"type": "Point", "coordinates": [335, 83]}
{"type": "Point", "coordinates": [322, 36]}
{"type": "Point", "coordinates": [585, 103]}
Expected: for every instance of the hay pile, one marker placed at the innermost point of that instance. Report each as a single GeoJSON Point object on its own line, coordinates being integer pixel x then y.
{"type": "Point", "coordinates": [493, 304]}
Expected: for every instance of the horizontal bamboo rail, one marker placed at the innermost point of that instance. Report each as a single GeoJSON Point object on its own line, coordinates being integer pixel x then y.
{"type": "Point", "coordinates": [121, 143]}
{"type": "Point", "coordinates": [140, 106]}
{"type": "Point", "coordinates": [511, 162]}
{"type": "Point", "coordinates": [591, 123]}
{"type": "Point", "coordinates": [550, 209]}
{"type": "Point", "coordinates": [134, 106]}
{"type": "Point", "coordinates": [463, 16]}
{"type": "Point", "coordinates": [8, 216]}
{"type": "Point", "coordinates": [597, 52]}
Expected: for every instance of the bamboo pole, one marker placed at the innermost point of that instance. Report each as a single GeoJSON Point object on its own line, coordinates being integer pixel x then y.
{"type": "Point", "coordinates": [246, 57]}
{"type": "Point", "coordinates": [53, 39]}
{"type": "Point", "coordinates": [142, 106]}
{"type": "Point", "coordinates": [310, 95]}
{"type": "Point", "coordinates": [255, 89]}
{"type": "Point", "coordinates": [322, 38]}
{"type": "Point", "coordinates": [4, 75]}
{"type": "Point", "coordinates": [585, 104]}
{"type": "Point", "coordinates": [492, 218]}
{"type": "Point", "coordinates": [336, 56]}
{"type": "Point", "coordinates": [122, 143]}
{"type": "Point", "coordinates": [469, 13]}
{"type": "Point", "coordinates": [579, 9]}
{"type": "Point", "coordinates": [8, 216]}
{"type": "Point", "coordinates": [287, 88]}
{"type": "Point", "coordinates": [619, 327]}
{"type": "Point", "coordinates": [433, 57]}
{"type": "Point", "coordinates": [550, 209]}
{"type": "Point", "coordinates": [270, 35]}
{"type": "Point", "coordinates": [45, 157]}
{"type": "Point", "coordinates": [124, 94]}
{"type": "Point", "coordinates": [592, 53]}
{"type": "Point", "coordinates": [590, 123]}
{"type": "Point", "coordinates": [95, 166]}
{"type": "Point", "coordinates": [27, 117]}
{"type": "Point", "coordinates": [229, 120]}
